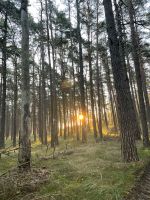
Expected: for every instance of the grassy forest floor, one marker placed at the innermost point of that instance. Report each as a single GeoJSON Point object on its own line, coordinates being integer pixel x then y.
{"type": "Point", "coordinates": [79, 172]}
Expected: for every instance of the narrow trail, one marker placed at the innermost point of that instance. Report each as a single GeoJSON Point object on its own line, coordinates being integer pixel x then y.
{"type": "Point", "coordinates": [141, 191]}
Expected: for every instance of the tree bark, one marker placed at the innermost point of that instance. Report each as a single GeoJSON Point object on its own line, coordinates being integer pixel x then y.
{"type": "Point", "coordinates": [43, 98]}
{"type": "Point", "coordinates": [136, 58]}
{"type": "Point", "coordinates": [24, 157]}
{"type": "Point", "coordinates": [98, 80]}
{"type": "Point", "coordinates": [54, 110]}
{"type": "Point", "coordinates": [15, 102]}
{"type": "Point", "coordinates": [4, 74]}
{"type": "Point", "coordinates": [91, 71]}
{"type": "Point", "coordinates": [81, 75]}
{"type": "Point", "coordinates": [125, 112]}
{"type": "Point", "coordinates": [122, 54]}
{"type": "Point", "coordinates": [34, 124]}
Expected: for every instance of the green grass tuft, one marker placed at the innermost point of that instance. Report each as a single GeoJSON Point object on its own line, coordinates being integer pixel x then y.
{"type": "Point", "coordinates": [92, 172]}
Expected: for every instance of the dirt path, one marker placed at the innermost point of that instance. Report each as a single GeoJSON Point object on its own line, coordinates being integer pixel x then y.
{"type": "Point", "coordinates": [141, 191]}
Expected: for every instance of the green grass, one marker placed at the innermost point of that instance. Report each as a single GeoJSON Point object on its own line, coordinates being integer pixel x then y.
{"type": "Point", "coordinates": [92, 172]}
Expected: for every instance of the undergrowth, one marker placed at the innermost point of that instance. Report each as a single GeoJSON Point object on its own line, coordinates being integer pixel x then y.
{"type": "Point", "coordinates": [91, 172]}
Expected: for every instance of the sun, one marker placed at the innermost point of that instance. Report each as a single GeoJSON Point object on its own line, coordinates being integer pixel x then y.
{"type": "Point", "coordinates": [81, 117]}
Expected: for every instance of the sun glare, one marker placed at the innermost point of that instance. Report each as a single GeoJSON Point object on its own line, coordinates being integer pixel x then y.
{"type": "Point", "coordinates": [81, 117]}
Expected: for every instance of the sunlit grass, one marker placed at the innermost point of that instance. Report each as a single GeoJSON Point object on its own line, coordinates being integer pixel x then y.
{"type": "Point", "coordinates": [92, 172]}
{"type": "Point", "coordinates": [95, 171]}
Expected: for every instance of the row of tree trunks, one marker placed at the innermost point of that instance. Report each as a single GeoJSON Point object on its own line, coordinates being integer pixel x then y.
{"type": "Point", "coordinates": [136, 58]}
{"type": "Point", "coordinates": [65, 106]}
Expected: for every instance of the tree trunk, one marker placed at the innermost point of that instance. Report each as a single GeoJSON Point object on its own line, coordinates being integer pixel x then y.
{"type": "Point", "coordinates": [97, 74]}
{"type": "Point", "coordinates": [4, 73]}
{"type": "Point", "coordinates": [40, 129]}
{"type": "Point", "coordinates": [91, 72]}
{"type": "Point", "coordinates": [109, 85]}
{"type": "Point", "coordinates": [122, 54]}
{"type": "Point", "coordinates": [15, 102]}
{"type": "Point", "coordinates": [144, 84]}
{"type": "Point", "coordinates": [24, 157]}
{"type": "Point", "coordinates": [34, 104]}
{"type": "Point", "coordinates": [103, 100]}
{"type": "Point", "coordinates": [54, 112]}
{"type": "Point", "coordinates": [43, 80]}
{"type": "Point", "coordinates": [136, 58]}
{"type": "Point", "coordinates": [81, 75]}
{"type": "Point", "coordinates": [124, 104]}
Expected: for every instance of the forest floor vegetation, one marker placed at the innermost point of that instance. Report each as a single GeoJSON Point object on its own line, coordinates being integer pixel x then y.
{"type": "Point", "coordinates": [74, 171]}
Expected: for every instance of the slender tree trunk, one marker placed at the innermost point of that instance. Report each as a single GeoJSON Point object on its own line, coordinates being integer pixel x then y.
{"type": "Point", "coordinates": [40, 129]}
{"type": "Point", "coordinates": [54, 112]}
{"type": "Point", "coordinates": [34, 104]}
{"type": "Point", "coordinates": [97, 72]}
{"type": "Point", "coordinates": [7, 124]}
{"type": "Point", "coordinates": [91, 72]}
{"type": "Point", "coordinates": [144, 84]}
{"type": "Point", "coordinates": [73, 76]}
{"type": "Point", "coordinates": [0, 99]}
{"type": "Point", "coordinates": [103, 101]}
{"type": "Point", "coordinates": [48, 20]}
{"type": "Point", "coordinates": [134, 95]}
{"type": "Point", "coordinates": [43, 80]}
{"type": "Point", "coordinates": [4, 74]}
{"type": "Point", "coordinates": [24, 157]}
{"type": "Point", "coordinates": [15, 102]}
{"type": "Point", "coordinates": [81, 78]}
{"type": "Point", "coordinates": [109, 85]}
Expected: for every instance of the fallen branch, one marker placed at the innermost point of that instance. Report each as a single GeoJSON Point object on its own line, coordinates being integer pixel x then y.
{"type": "Point", "coordinates": [62, 153]}
{"type": "Point", "coordinates": [7, 151]}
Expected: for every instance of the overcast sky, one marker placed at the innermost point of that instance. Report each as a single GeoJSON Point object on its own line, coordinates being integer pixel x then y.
{"type": "Point", "coordinates": [34, 4]}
